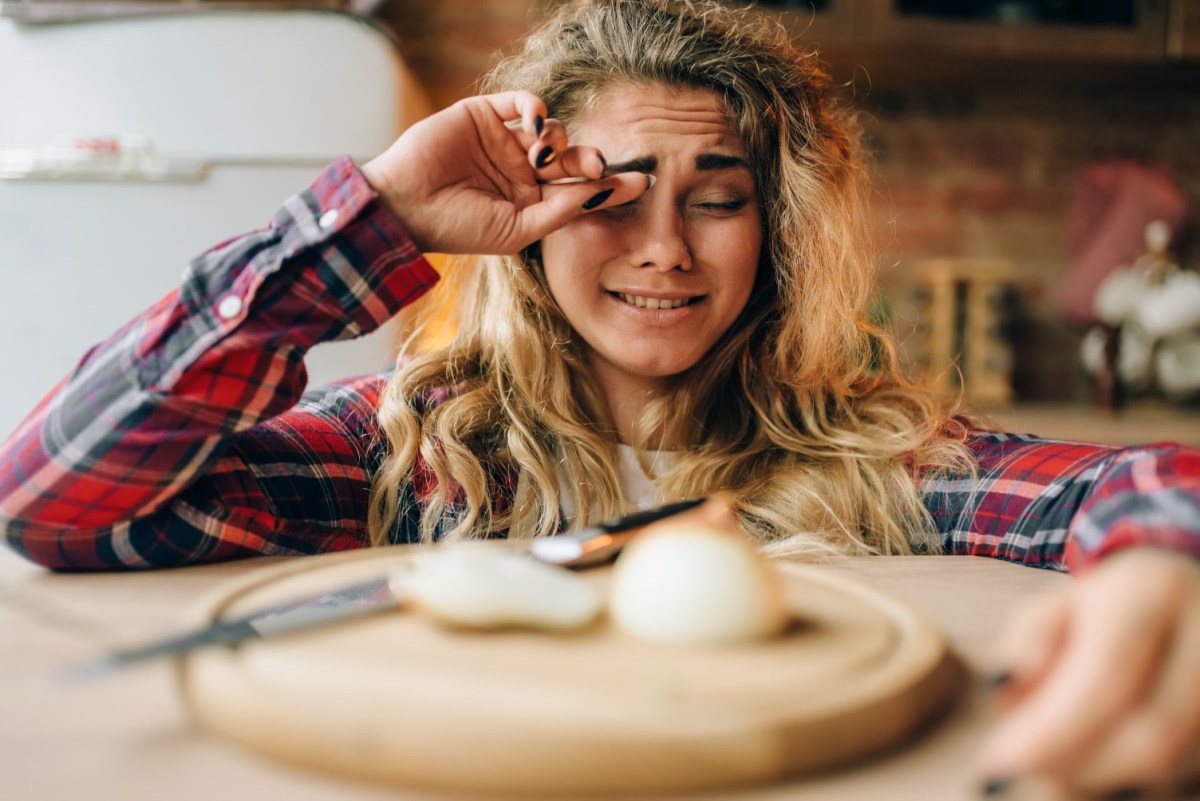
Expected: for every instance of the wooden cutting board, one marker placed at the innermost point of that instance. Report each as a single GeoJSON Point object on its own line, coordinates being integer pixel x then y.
{"type": "Point", "coordinates": [396, 698]}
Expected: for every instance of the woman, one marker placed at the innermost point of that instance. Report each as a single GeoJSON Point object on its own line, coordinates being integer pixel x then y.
{"type": "Point", "coordinates": [676, 307]}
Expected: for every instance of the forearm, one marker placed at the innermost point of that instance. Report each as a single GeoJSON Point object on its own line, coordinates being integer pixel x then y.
{"type": "Point", "coordinates": [1062, 505]}
{"type": "Point", "coordinates": [1146, 497]}
{"type": "Point", "coordinates": [153, 408]}
{"type": "Point", "coordinates": [296, 484]}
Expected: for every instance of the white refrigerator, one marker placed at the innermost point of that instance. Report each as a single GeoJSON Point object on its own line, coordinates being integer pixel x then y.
{"type": "Point", "coordinates": [129, 144]}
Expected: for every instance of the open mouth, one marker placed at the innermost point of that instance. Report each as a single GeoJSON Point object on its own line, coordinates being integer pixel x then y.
{"type": "Point", "coordinates": [643, 302]}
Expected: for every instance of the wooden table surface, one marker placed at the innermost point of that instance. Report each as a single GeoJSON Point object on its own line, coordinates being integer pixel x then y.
{"type": "Point", "coordinates": [128, 736]}
{"type": "Point", "coordinates": [1137, 423]}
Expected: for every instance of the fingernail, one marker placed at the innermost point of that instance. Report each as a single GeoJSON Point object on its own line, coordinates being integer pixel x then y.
{"type": "Point", "coordinates": [650, 180]}
{"type": "Point", "coordinates": [538, 124]}
{"type": "Point", "coordinates": [545, 157]}
{"type": "Point", "coordinates": [997, 785]}
{"type": "Point", "coordinates": [596, 199]}
{"type": "Point", "coordinates": [603, 163]}
{"type": "Point", "coordinates": [997, 681]}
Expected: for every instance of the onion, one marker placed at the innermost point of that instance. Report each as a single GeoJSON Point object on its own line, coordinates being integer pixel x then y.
{"type": "Point", "coordinates": [469, 585]}
{"type": "Point", "coordinates": [685, 581]}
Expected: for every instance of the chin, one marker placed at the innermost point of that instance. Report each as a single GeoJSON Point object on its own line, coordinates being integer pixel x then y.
{"type": "Point", "coordinates": [662, 371]}
{"type": "Point", "coordinates": [649, 365]}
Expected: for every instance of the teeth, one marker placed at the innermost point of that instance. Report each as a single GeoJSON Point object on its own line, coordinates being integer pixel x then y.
{"type": "Point", "coordinates": [653, 303]}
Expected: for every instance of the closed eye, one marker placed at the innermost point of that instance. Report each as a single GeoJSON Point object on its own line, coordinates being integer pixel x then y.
{"type": "Point", "coordinates": [621, 208]}
{"type": "Point", "coordinates": [710, 206]}
{"type": "Point", "coordinates": [726, 206]}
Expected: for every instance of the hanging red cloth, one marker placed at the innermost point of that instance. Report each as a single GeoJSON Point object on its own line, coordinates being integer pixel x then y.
{"type": "Point", "coordinates": [1113, 200]}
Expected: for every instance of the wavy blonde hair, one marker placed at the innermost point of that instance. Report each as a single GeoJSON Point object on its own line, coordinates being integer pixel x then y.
{"type": "Point", "coordinates": [800, 413]}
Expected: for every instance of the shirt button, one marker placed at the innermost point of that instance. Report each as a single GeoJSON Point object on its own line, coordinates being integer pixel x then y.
{"type": "Point", "coordinates": [230, 307]}
{"type": "Point", "coordinates": [328, 218]}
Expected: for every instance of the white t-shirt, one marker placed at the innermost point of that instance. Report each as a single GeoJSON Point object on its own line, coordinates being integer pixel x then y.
{"type": "Point", "coordinates": [639, 489]}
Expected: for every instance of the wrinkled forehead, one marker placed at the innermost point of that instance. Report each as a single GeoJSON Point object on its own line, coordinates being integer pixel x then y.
{"type": "Point", "coordinates": [624, 113]}
{"type": "Point", "coordinates": [591, 101]}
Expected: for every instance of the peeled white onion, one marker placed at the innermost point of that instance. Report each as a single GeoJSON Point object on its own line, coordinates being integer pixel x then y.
{"type": "Point", "coordinates": [481, 587]}
{"type": "Point", "coordinates": [687, 583]}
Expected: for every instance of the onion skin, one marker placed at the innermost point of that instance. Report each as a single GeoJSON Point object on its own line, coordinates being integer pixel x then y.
{"type": "Point", "coordinates": [685, 582]}
{"type": "Point", "coordinates": [473, 587]}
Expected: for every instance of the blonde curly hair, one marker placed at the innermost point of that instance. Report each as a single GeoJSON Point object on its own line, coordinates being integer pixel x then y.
{"type": "Point", "coordinates": [800, 413]}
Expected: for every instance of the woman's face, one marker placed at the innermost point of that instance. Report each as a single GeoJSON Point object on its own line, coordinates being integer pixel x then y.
{"type": "Point", "coordinates": [653, 284]}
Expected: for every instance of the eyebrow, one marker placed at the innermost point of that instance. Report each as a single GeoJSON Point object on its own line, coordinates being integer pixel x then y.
{"type": "Point", "coordinates": [704, 162]}
{"type": "Point", "coordinates": [720, 161]}
{"type": "Point", "coordinates": [643, 164]}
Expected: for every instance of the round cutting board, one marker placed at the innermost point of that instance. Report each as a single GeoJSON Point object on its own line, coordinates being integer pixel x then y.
{"type": "Point", "coordinates": [397, 698]}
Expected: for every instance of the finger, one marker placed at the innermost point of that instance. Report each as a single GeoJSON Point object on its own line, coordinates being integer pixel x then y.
{"type": "Point", "coordinates": [521, 117]}
{"type": "Point", "coordinates": [1031, 640]}
{"type": "Point", "coordinates": [575, 162]}
{"type": "Point", "coordinates": [555, 159]}
{"type": "Point", "coordinates": [518, 105]}
{"type": "Point", "coordinates": [1159, 744]}
{"type": "Point", "coordinates": [1104, 668]}
{"type": "Point", "coordinates": [562, 203]}
{"type": "Point", "coordinates": [545, 152]}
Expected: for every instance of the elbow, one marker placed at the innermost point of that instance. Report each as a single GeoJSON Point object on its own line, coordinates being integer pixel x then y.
{"type": "Point", "coordinates": [52, 548]}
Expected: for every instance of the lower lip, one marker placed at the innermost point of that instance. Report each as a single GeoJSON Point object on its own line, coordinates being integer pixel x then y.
{"type": "Point", "coordinates": [659, 317]}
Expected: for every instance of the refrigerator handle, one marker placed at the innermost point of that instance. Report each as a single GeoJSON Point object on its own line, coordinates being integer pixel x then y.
{"type": "Point", "coordinates": [123, 158]}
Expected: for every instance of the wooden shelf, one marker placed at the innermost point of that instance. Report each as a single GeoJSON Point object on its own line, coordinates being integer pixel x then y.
{"type": "Point", "coordinates": [1162, 32]}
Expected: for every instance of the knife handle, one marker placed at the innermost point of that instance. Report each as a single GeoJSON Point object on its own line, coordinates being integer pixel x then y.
{"type": "Point", "coordinates": [647, 516]}
{"type": "Point", "coordinates": [601, 542]}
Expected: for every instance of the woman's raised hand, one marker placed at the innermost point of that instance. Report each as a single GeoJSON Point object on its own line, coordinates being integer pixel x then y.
{"type": "Point", "coordinates": [1104, 687]}
{"type": "Point", "coordinates": [491, 175]}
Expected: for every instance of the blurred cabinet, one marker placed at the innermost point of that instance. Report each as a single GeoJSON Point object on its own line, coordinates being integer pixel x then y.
{"type": "Point", "coordinates": [1151, 31]}
{"type": "Point", "coordinates": [962, 343]}
{"type": "Point", "coordinates": [1100, 30]}
{"type": "Point", "coordinates": [1183, 30]}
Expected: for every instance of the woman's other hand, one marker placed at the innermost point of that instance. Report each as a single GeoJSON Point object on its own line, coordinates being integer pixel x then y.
{"type": "Point", "coordinates": [491, 175]}
{"type": "Point", "coordinates": [1103, 690]}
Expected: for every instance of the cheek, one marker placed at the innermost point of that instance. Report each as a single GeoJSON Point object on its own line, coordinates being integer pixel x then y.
{"type": "Point", "coordinates": [740, 251]}
{"type": "Point", "coordinates": [556, 258]}
{"type": "Point", "coordinates": [571, 257]}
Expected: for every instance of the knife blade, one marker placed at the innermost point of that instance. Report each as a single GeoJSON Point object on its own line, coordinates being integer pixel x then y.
{"type": "Point", "coordinates": [587, 546]}
{"type": "Point", "coordinates": [355, 600]}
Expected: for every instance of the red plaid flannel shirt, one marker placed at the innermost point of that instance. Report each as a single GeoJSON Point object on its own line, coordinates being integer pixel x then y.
{"type": "Point", "coordinates": [185, 437]}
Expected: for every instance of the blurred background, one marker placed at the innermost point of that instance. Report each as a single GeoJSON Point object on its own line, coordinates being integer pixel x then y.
{"type": "Point", "coordinates": [1028, 154]}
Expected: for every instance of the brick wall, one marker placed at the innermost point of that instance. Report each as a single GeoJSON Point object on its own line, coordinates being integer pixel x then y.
{"type": "Point", "coordinates": [989, 171]}
{"type": "Point", "coordinates": [973, 160]}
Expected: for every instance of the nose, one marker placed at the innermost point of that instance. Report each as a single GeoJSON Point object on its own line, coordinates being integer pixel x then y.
{"type": "Point", "coordinates": [660, 237]}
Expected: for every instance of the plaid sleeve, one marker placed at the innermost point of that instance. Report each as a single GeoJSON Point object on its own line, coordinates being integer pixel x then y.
{"type": "Point", "coordinates": [184, 436]}
{"type": "Point", "coordinates": [1064, 505]}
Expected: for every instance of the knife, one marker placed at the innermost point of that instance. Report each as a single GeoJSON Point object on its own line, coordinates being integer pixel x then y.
{"type": "Point", "coordinates": [355, 600]}
{"type": "Point", "coordinates": [587, 546]}
{"type": "Point", "coordinates": [603, 541]}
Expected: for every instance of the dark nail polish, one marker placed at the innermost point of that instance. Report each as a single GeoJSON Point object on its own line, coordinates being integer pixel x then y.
{"type": "Point", "coordinates": [603, 163]}
{"type": "Point", "coordinates": [997, 681]}
{"type": "Point", "coordinates": [596, 199]}
{"type": "Point", "coordinates": [998, 785]}
{"type": "Point", "coordinates": [545, 157]}
{"type": "Point", "coordinates": [538, 124]}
